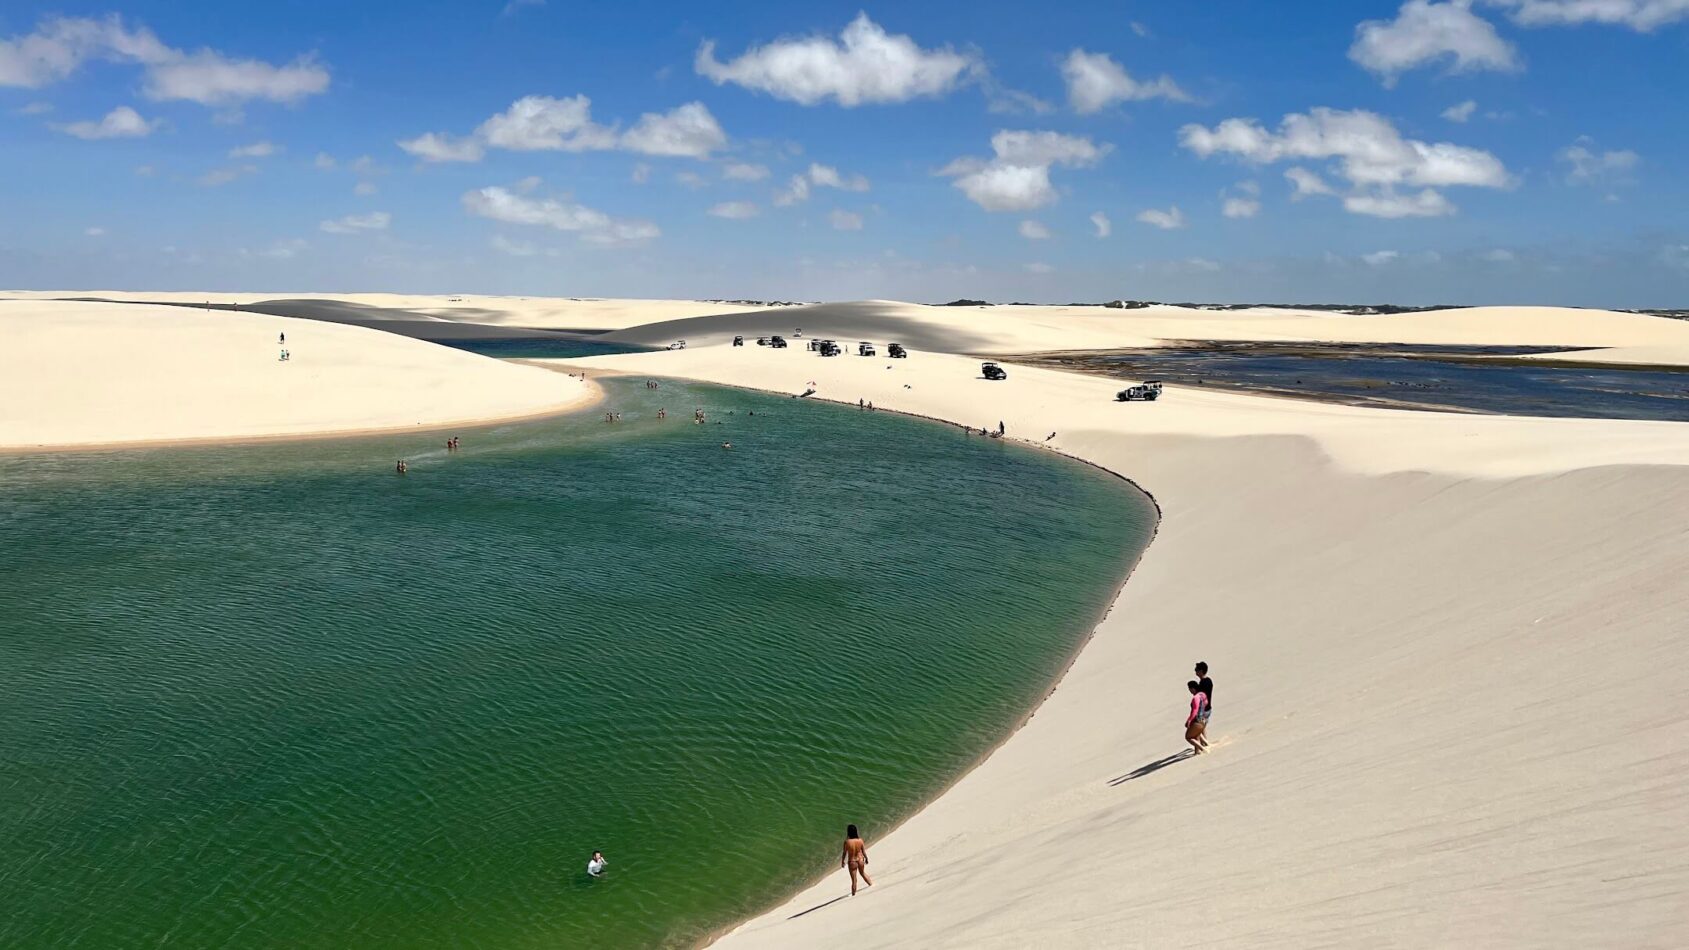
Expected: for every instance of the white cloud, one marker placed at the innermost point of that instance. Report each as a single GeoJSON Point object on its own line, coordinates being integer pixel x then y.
{"type": "Point", "coordinates": [505, 245]}
{"type": "Point", "coordinates": [1424, 32]}
{"type": "Point", "coordinates": [734, 210]}
{"type": "Point", "coordinates": [1460, 112]}
{"type": "Point", "coordinates": [1002, 101]}
{"type": "Point", "coordinates": [548, 124]}
{"type": "Point", "coordinates": [95, 232]}
{"type": "Point", "coordinates": [542, 123]}
{"type": "Point", "coordinates": [1500, 255]}
{"type": "Point", "coordinates": [1585, 166]}
{"type": "Point", "coordinates": [1166, 220]}
{"type": "Point", "coordinates": [1386, 203]}
{"type": "Point", "coordinates": [1380, 258]}
{"type": "Point", "coordinates": [1640, 15]}
{"type": "Point", "coordinates": [353, 223]}
{"type": "Point", "coordinates": [691, 179]}
{"type": "Point", "coordinates": [1307, 183]}
{"type": "Point", "coordinates": [35, 108]}
{"type": "Point", "coordinates": [865, 65]}
{"type": "Point", "coordinates": [60, 45]}
{"type": "Point", "coordinates": [364, 189]}
{"type": "Point", "coordinates": [1095, 82]}
{"type": "Point", "coordinates": [1365, 149]}
{"type": "Point", "coordinates": [795, 192]}
{"type": "Point", "coordinates": [212, 79]}
{"type": "Point", "coordinates": [1139, 28]}
{"type": "Point", "coordinates": [1038, 267]}
{"type": "Point", "coordinates": [743, 171]}
{"type": "Point", "coordinates": [1034, 230]}
{"type": "Point", "coordinates": [120, 123]}
{"type": "Point", "coordinates": [324, 161]}
{"type": "Point", "coordinates": [844, 220]}
{"type": "Point", "coordinates": [1018, 178]}
{"type": "Point", "coordinates": [828, 177]}
{"type": "Point", "coordinates": [1102, 224]}
{"type": "Point", "coordinates": [434, 147]}
{"type": "Point", "coordinates": [688, 131]}
{"type": "Point", "coordinates": [594, 227]}
{"type": "Point", "coordinates": [641, 173]}
{"type": "Point", "coordinates": [1240, 207]}
{"type": "Point", "coordinates": [255, 150]}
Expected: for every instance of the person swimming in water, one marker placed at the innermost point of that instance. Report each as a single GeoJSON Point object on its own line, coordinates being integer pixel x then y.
{"type": "Point", "coordinates": [855, 857]}
{"type": "Point", "coordinates": [597, 864]}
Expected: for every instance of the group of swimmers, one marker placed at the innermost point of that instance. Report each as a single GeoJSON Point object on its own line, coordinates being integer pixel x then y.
{"type": "Point", "coordinates": [452, 445]}
{"type": "Point", "coordinates": [1202, 707]}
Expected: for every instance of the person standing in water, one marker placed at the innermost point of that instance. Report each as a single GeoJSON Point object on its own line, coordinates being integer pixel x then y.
{"type": "Point", "coordinates": [597, 864]}
{"type": "Point", "coordinates": [855, 857]}
{"type": "Point", "coordinates": [1197, 721]}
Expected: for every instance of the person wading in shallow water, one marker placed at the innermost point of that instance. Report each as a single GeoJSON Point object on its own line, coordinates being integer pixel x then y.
{"type": "Point", "coordinates": [855, 857]}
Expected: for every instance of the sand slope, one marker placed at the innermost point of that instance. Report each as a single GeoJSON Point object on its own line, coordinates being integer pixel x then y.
{"type": "Point", "coordinates": [80, 373]}
{"type": "Point", "coordinates": [1444, 649]}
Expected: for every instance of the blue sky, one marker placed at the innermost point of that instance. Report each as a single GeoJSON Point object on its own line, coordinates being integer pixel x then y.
{"type": "Point", "coordinates": [1482, 151]}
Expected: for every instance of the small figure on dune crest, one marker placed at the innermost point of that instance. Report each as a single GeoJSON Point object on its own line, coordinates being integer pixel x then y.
{"type": "Point", "coordinates": [1197, 721]}
{"type": "Point", "coordinates": [855, 857]}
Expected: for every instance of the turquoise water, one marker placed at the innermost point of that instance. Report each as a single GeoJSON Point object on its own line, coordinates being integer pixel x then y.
{"type": "Point", "coordinates": [278, 696]}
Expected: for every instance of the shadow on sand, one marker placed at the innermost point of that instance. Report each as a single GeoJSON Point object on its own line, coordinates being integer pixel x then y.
{"type": "Point", "coordinates": [818, 907]}
{"type": "Point", "coordinates": [1149, 767]}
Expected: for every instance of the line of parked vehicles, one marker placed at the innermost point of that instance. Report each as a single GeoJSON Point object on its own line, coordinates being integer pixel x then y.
{"type": "Point", "coordinates": [1147, 391]}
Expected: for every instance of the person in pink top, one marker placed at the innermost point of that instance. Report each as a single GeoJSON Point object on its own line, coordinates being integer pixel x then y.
{"type": "Point", "coordinates": [1197, 722]}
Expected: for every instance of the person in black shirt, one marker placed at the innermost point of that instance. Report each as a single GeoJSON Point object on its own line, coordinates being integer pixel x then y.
{"type": "Point", "coordinates": [1205, 685]}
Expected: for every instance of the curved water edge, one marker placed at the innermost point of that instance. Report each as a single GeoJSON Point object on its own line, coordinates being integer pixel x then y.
{"type": "Point", "coordinates": [955, 596]}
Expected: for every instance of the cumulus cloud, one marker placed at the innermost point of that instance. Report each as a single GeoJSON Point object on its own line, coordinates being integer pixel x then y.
{"type": "Point", "coordinates": [1427, 203]}
{"type": "Point", "coordinates": [1018, 177]}
{"type": "Point", "coordinates": [1101, 222]}
{"type": "Point", "coordinates": [434, 147]}
{"type": "Point", "coordinates": [1364, 148]}
{"type": "Point", "coordinates": [364, 189]}
{"type": "Point", "coordinates": [795, 192]}
{"type": "Point", "coordinates": [95, 232]}
{"type": "Point", "coordinates": [59, 46]}
{"type": "Point", "coordinates": [542, 123]}
{"type": "Point", "coordinates": [1641, 15]}
{"type": "Point", "coordinates": [1034, 230]}
{"type": "Point", "coordinates": [1167, 220]}
{"type": "Point", "coordinates": [688, 131]}
{"type": "Point", "coordinates": [826, 176]}
{"type": "Point", "coordinates": [844, 220]}
{"type": "Point", "coordinates": [222, 176]}
{"type": "Point", "coordinates": [864, 65]}
{"type": "Point", "coordinates": [120, 123]}
{"type": "Point", "coordinates": [593, 227]}
{"type": "Point", "coordinates": [744, 171]}
{"type": "Point", "coordinates": [34, 108]}
{"type": "Point", "coordinates": [549, 124]}
{"type": "Point", "coordinates": [1241, 200]}
{"type": "Point", "coordinates": [1003, 101]}
{"type": "Point", "coordinates": [734, 210]}
{"type": "Point", "coordinates": [1380, 258]}
{"type": "Point", "coordinates": [353, 223]}
{"type": "Point", "coordinates": [1586, 166]}
{"type": "Point", "coordinates": [1461, 111]}
{"type": "Point", "coordinates": [255, 150]}
{"type": "Point", "coordinates": [1424, 32]}
{"type": "Point", "coordinates": [1095, 82]}
{"type": "Point", "coordinates": [1307, 183]}
{"type": "Point", "coordinates": [324, 161]}
{"type": "Point", "coordinates": [1039, 267]}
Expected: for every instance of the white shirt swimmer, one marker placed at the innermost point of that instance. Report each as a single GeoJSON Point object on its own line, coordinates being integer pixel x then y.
{"type": "Point", "coordinates": [596, 866]}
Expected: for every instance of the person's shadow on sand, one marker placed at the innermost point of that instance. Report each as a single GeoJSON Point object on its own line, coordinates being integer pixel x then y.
{"type": "Point", "coordinates": [1155, 766]}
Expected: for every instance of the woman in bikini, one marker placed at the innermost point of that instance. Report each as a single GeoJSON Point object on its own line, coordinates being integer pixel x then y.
{"type": "Point", "coordinates": [1197, 722]}
{"type": "Point", "coordinates": [855, 857]}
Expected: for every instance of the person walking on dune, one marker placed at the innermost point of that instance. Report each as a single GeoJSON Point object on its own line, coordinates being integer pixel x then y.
{"type": "Point", "coordinates": [855, 857]}
{"type": "Point", "coordinates": [1206, 685]}
{"type": "Point", "coordinates": [1197, 721]}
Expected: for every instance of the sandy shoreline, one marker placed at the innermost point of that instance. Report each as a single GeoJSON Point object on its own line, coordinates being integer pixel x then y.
{"type": "Point", "coordinates": [990, 834]}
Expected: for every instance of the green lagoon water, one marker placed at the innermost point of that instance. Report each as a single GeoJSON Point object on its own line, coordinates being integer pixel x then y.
{"type": "Point", "coordinates": [277, 696]}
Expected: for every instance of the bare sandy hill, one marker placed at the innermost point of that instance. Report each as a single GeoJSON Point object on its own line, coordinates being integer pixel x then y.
{"type": "Point", "coordinates": [80, 373]}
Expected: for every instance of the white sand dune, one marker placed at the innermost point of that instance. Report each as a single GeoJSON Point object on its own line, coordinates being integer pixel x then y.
{"type": "Point", "coordinates": [1446, 650]}
{"type": "Point", "coordinates": [92, 373]}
